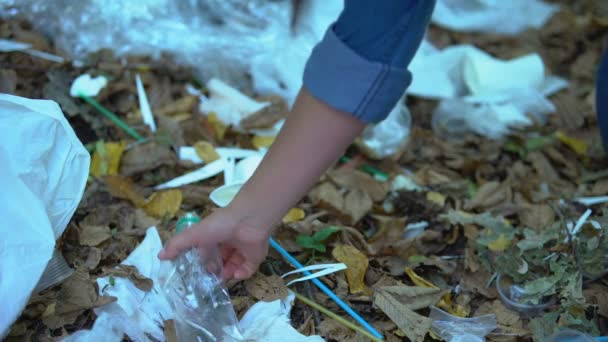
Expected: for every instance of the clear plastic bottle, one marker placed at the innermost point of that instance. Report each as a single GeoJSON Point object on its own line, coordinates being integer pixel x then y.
{"type": "Point", "coordinates": [202, 306]}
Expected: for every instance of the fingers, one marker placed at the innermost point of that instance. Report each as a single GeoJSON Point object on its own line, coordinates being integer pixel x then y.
{"type": "Point", "coordinates": [179, 244]}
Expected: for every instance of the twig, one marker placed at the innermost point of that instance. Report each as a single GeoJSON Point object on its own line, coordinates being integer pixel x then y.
{"type": "Point", "coordinates": [315, 313]}
{"type": "Point", "coordinates": [334, 316]}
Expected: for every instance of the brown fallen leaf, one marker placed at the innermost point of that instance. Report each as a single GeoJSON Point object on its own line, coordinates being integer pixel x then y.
{"type": "Point", "coordinates": [185, 104]}
{"type": "Point", "coordinates": [488, 195]}
{"type": "Point", "coordinates": [206, 151]}
{"type": "Point", "coordinates": [93, 235]}
{"type": "Point", "coordinates": [414, 297]}
{"type": "Point", "coordinates": [415, 326]}
{"type": "Point", "coordinates": [355, 179]}
{"type": "Point", "coordinates": [77, 294]}
{"type": "Point", "coordinates": [170, 126]}
{"type": "Point", "coordinates": [597, 294]}
{"type": "Point", "coordinates": [330, 329]}
{"type": "Point", "coordinates": [8, 81]}
{"type": "Point", "coordinates": [122, 187]}
{"type": "Point", "coordinates": [357, 266]}
{"type": "Point", "coordinates": [267, 116]}
{"type": "Point", "coordinates": [146, 157]}
{"type": "Point", "coordinates": [265, 288]}
{"type": "Point", "coordinates": [132, 273]}
{"type": "Point", "coordinates": [537, 216]}
{"type": "Point", "coordinates": [217, 125]}
{"type": "Point", "coordinates": [357, 203]}
{"type": "Point", "coordinates": [170, 331]}
{"type": "Point", "coordinates": [143, 220]}
{"type": "Point", "coordinates": [93, 258]}
{"type": "Point", "coordinates": [326, 195]}
{"type": "Point", "coordinates": [164, 203]}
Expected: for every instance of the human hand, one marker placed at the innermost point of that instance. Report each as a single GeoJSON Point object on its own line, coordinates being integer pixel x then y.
{"type": "Point", "coordinates": [243, 244]}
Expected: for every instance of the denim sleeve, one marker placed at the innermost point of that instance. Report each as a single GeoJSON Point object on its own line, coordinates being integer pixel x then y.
{"type": "Point", "coordinates": [360, 66]}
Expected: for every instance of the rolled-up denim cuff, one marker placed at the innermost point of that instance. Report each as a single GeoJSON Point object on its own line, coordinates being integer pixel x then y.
{"type": "Point", "coordinates": [346, 81]}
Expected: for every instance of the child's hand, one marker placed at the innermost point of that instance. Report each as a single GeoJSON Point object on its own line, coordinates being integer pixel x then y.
{"type": "Point", "coordinates": [243, 245]}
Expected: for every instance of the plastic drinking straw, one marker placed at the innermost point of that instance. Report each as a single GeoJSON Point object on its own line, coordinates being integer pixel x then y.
{"type": "Point", "coordinates": [115, 119]}
{"type": "Point", "coordinates": [334, 316]}
{"type": "Point", "coordinates": [325, 289]}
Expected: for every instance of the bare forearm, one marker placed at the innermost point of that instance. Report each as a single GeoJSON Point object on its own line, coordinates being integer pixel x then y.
{"type": "Point", "coordinates": [314, 136]}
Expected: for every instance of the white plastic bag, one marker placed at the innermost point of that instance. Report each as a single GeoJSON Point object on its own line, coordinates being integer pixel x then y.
{"type": "Point", "coordinates": [493, 16]}
{"type": "Point", "coordinates": [43, 175]}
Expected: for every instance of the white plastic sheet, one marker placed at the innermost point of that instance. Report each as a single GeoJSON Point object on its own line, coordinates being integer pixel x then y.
{"type": "Point", "coordinates": [493, 16]}
{"type": "Point", "coordinates": [482, 94]}
{"type": "Point", "coordinates": [43, 175]}
{"type": "Point", "coordinates": [140, 315]}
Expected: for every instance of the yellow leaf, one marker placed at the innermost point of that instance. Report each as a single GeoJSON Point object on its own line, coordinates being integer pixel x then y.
{"type": "Point", "coordinates": [163, 204]}
{"type": "Point", "coordinates": [206, 151]}
{"type": "Point", "coordinates": [500, 244]}
{"type": "Point", "coordinates": [453, 237]}
{"type": "Point", "coordinates": [418, 280]}
{"type": "Point", "coordinates": [294, 215]}
{"type": "Point", "coordinates": [262, 141]}
{"type": "Point", "coordinates": [106, 159]}
{"type": "Point", "coordinates": [446, 301]}
{"type": "Point", "coordinates": [576, 145]}
{"type": "Point", "coordinates": [122, 187]}
{"type": "Point", "coordinates": [218, 126]}
{"type": "Point", "coordinates": [357, 266]}
{"type": "Point", "coordinates": [436, 198]}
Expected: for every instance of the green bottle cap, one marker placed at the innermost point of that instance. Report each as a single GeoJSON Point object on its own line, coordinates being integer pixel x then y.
{"type": "Point", "coordinates": [186, 221]}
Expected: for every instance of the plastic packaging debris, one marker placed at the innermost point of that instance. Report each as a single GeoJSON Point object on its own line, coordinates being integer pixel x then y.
{"type": "Point", "coordinates": [458, 329]}
{"type": "Point", "coordinates": [210, 170]}
{"type": "Point", "coordinates": [56, 271]}
{"type": "Point", "coordinates": [41, 186]}
{"type": "Point", "coordinates": [569, 335]}
{"type": "Point", "coordinates": [325, 269]}
{"type": "Point", "coordinates": [481, 94]}
{"type": "Point", "coordinates": [403, 182]}
{"type": "Point", "coordinates": [202, 306]}
{"type": "Point", "coordinates": [390, 135]}
{"type": "Point", "coordinates": [189, 153]}
{"type": "Point", "coordinates": [223, 195]}
{"type": "Point", "coordinates": [592, 200]}
{"type": "Point", "coordinates": [107, 328]}
{"type": "Point", "coordinates": [137, 313]}
{"type": "Point", "coordinates": [269, 322]}
{"type": "Point", "coordinates": [87, 85]}
{"type": "Point", "coordinates": [414, 230]}
{"type": "Point", "coordinates": [512, 296]}
{"type": "Point", "coordinates": [493, 16]}
{"type": "Point", "coordinates": [144, 105]}
{"type": "Point", "coordinates": [11, 46]}
{"type": "Point", "coordinates": [229, 104]}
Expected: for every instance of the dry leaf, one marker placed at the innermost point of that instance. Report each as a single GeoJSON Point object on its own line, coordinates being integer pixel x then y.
{"type": "Point", "coordinates": [206, 151]}
{"type": "Point", "coordinates": [106, 159]}
{"type": "Point", "coordinates": [8, 81]}
{"type": "Point", "coordinates": [414, 326]}
{"type": "Point", "coordinates": [597, 294]}
{"type": "Point", "coordinates": [146, 157]}
{"type": "Point", "coordinates": [357, 265]}
{"type": "Point", "coordinates": [93, 258]}
{"type": "Point", "coordinates": [414, 297]}
{"type": "Point", "coordinates": [436, 198]}
{"type": "Point", "coordinates": [326, 195]}
{"type": "Point", "coordinates": [143, 221]}
{"type": "Point", "coordinates": [357, 204]}
{"type": "Point", "coordinates": [169, 329]}
{"type": "Point", "coordinates": [576, 145]}
{"type": "Point", "coordinates": [294, 215]}
{"type": "Point", "coordinates": [355, 179]}
{"type": "Point", "coordinates": [93, 235]}
{"type": "Point", "coordinates": [218, 126]}
{"type": "Point", "coordinates": [185, 104]}
{"type": "Point", "coordinates": [123, 187]}
{"type": "Point", "coordinates": [537, 216]}
{"type": "Point", "coordinates": [260, 141]}
{"type": "Point", "coordinates": [132, 273]}
{"type": "Point", "coordinates": [267, 116]}
{"type": "Point", "coordinates": [164, 203]}
{"type": "Point", "coordinates": [265, 288]}
{"type": "Point", "coordinates": [78, 293]}
{"type": "Point", "coordinates": [488, 195]}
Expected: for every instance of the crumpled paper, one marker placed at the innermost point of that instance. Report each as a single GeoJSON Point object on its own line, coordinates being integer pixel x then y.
{"type": "Point", "coordinates": [492, 16]}
{"type": "Point", "coordinates": [141, 315]}
{"type": "Point", "coordinates": [481, 94]}
{"type": "Point", "coordinates": [43, 175]}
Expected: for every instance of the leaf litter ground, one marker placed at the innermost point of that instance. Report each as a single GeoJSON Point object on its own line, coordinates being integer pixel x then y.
{"type": "Point", "coordinates": [474, 208]}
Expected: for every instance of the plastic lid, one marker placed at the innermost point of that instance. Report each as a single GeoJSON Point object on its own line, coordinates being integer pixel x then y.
{"type": "Point", "coordinates": [186, 221]}
{"type": "Point", "coordinates": [570, 336]}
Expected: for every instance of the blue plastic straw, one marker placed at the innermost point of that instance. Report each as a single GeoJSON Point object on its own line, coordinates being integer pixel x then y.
{"type": "Point", "coordinates": [602, 339]}
{"type": "Point", "coordinates": [327, 291]}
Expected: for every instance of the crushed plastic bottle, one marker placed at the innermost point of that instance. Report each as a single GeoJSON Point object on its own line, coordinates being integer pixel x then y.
{"type": "Point", "coordinates": [202, 306]}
